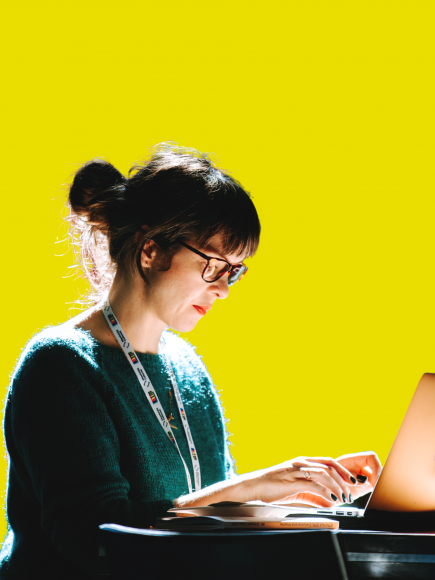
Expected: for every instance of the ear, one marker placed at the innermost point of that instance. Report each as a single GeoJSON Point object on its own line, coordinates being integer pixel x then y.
{"type": "Point", "coordinates": [148, 255]}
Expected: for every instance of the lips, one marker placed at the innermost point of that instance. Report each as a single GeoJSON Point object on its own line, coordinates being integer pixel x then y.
{"type": "Point", "coordinates": [202, 309]}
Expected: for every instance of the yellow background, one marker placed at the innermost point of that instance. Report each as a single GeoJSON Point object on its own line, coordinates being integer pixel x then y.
{"type": "Point", "coordinates": [324, 111]}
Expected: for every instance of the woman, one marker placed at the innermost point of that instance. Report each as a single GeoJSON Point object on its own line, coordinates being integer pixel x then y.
{"type": "Point", "coordinates": [110, 417]}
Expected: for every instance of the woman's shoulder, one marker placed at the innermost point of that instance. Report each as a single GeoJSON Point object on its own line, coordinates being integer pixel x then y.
{"type": "Point", "coordinates": [55, 344]}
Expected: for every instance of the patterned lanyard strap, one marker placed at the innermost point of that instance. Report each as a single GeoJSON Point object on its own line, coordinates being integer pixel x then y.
{"type": "Point", "coordinates": [152, 397]}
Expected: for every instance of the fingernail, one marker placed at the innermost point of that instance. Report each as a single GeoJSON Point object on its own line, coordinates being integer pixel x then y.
{"type": "Point", "coordinates": [344, 497]}
{"type": "Point", "coordinates": [352, 479]}
{"type": "Point", "coordinates": [334, 497]}
{"type": "Point", "coordinates": [350, 498]}
{"type": "Point", "coordinates": [361, 478]}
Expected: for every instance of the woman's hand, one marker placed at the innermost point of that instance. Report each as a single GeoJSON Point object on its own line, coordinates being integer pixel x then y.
{"type": "Point", "coordinates": [362, 472]}
{"type": "Point", "coordinates": [318, 481]}
{"type": "Point", "coordinates": [365, 467]}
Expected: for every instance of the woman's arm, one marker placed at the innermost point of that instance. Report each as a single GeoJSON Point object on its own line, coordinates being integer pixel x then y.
{"type": "Point", "coordinates": [323, 480]}
{"type": "Point", "coordinates": [65, 448]}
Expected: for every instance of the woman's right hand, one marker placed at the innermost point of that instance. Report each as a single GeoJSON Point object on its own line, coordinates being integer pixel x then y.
{"type": "Point", "coordinates": [322, 479]}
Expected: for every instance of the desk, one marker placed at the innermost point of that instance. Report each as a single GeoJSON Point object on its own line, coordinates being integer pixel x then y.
{"type": "Point", "coordinates": [135, 554]}
{"type": "Point", "coordinates": [388, 555]}
{"type": "Point", "coordinates": [366, 554]}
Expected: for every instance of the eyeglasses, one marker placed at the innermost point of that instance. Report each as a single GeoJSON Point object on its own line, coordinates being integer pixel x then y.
{"type": "Point", "coordinates": [217, 267]}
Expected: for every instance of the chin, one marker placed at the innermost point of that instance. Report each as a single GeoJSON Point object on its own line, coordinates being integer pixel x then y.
{"type": "Point", "coordinates": [183, 325]}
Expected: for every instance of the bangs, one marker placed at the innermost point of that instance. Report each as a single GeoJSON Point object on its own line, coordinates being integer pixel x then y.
{"type": "Point", "coordinates": [232, 214]}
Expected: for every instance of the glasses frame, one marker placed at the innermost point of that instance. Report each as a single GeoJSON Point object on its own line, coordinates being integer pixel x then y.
{"type": "Point", "coordinates": [230, 268]}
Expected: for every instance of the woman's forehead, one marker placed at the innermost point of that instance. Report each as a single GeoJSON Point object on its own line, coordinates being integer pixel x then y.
{"type": "Point", "coordinates": [216, 246]}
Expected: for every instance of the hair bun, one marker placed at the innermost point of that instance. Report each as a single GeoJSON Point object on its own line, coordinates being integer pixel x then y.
{"type": "Point", "coordinates": [94, 192]}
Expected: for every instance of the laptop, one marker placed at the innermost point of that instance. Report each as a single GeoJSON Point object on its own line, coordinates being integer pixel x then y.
{"type": "Point", "coordinates": [404, 496]}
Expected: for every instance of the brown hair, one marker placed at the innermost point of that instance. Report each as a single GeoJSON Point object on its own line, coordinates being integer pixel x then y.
{"type": "Point", "coordinates": [178, 193]}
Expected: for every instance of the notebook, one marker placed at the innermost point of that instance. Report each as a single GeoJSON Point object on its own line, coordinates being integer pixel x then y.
{"type": "Point", "coordinates": [208, 523]}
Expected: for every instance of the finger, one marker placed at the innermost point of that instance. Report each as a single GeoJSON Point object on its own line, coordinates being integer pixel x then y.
{"type": "Point", "coordinates": [364, 464]}
{"type": "Point", "coordinates": [374, 466]}
{"type": "Point", "coordinates": [340, 469]}
{"type": "Point", "coordinates": [366, 472]}
{"type": "Point", "coordinates": [323, 478]}
{"type": "Point", "coordinates": [315, 488]}
{"type": "Point", "coordinates": [370, 467]}
{"type": "Point", "coordinates": [344, 493]}
{"type": "Point", "coordinates": [367, 477]}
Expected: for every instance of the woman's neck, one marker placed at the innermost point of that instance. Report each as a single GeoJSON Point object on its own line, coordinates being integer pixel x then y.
{"type": "Point", "coordinates": [143, 329]}
{"type": "Point", "coordinates": [127, 297]}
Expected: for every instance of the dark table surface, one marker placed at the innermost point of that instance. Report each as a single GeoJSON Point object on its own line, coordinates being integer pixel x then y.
{"type": "Point", "coordinates": [388, 555]}
{"type": "Point", "coordinates": [369, 554]}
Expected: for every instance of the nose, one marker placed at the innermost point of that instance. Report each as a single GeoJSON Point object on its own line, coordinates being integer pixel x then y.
{"type": "Point", "coordinates": [220, 287]}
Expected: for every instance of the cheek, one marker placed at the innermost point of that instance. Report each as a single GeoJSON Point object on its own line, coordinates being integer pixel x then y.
{"type": "Point", "coordinates": [186, 294]}
{"type": "Point", "coordinates": [177, 292]}
{"type": "Point", "coordinates": [175, 304]}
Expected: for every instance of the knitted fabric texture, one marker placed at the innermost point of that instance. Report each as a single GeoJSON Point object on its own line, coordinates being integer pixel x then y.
{"type": "Point", "coordinates": [85, 448]}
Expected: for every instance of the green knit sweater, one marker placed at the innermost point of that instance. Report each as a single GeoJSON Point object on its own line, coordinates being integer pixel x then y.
{"type": "Point", "coordinates": [85, 448]}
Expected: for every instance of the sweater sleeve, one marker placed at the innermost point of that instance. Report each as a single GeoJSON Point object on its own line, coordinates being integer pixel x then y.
{"type": "Point", "coordinates": [65, 438]}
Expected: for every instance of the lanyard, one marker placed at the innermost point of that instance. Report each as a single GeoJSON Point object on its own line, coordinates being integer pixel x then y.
{"type": "Point", "coordinates": [152, 397]}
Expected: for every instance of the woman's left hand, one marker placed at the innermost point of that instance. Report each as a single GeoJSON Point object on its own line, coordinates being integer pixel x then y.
{"type": "Point", "coordinates": [364, 468]}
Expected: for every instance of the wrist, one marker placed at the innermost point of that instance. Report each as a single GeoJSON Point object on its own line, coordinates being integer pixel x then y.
{"type": "Point", "coordinates": [240, 489]}
{"type": "Point", "coordinates": [246, 489]}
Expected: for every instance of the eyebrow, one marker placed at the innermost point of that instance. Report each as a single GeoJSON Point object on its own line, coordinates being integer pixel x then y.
{"type": "Point", "coordinates": [219, 255]}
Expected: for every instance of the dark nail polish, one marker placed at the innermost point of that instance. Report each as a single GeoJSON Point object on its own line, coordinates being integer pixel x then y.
{"type": "Point", "coordinates": [361, 478]}
{"type": "Point", "coordinates": [352, 479]}
{"type": "Point", "coordinates": [344, 497]}
{"type": "Point", "coordinates": [350, 498]}
{"type": "Point", "coordinates": [334, 497]}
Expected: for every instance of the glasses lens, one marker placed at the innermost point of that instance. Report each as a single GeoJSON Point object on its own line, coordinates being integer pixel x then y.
{"type": "Point", "coordinates": [214, 270]}
{"type": "Point", "coordinates": [236, 274]}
